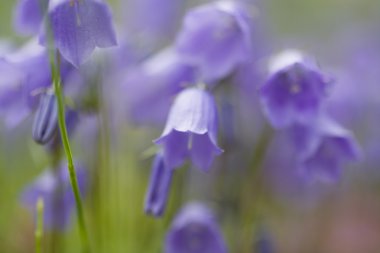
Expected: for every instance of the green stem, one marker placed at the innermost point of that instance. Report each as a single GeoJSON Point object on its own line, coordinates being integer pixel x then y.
{"type": "Point", "coordinates": [253, 192]}
{"type": "Point", "coordinates": [40, 225]}
{"type": "Point", "coordinates": [55, 69]}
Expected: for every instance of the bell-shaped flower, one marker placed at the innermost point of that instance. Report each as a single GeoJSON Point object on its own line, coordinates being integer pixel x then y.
{"type": "Point", "coordinates": [324, 146]}
{"type": "Point", "coordinates": [294, 91]}
{"type": "Point", "coordinates": [191, 130]}
{"type": "Point", "coordinates": [28, 15]}
{"type": "Point", "coordinates": [159, 187]}
{"type": "Point", "coordinates": [195, 230]}
{"type": "Point", "coordinates": [53, 186]}
{"type": "Point", "coordinates": [215, 38]}
{"type": "Point", "coordinates": [78, 27]}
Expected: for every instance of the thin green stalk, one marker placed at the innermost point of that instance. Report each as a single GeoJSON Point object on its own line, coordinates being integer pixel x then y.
{"type": "Point", "coordinates": [40, 225]}
{"type": "Point", "coordinates": [55, 69]}
{"type": "Point", "coordinates": [252, 193]}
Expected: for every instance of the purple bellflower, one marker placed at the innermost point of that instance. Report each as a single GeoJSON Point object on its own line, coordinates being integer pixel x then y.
{"type": "Point", "coordinates": [79, 27]}
{"type": "Point", "coordinates": [159, 187]}
{"type": "Point", "coordinates": [294, 91]}
{"type": "Point", "coordinates": [323, 148]}
{"type": "Point", "coordinates": [195, 230]}
{"type": "Point", "coordinates": [28, 15]}
{"type": "Point", "coordinates": [191, 130]}
{"type": "Point", "coordinates": [215, 38]}
{"type": "Point", "coordinates": [54, 188]}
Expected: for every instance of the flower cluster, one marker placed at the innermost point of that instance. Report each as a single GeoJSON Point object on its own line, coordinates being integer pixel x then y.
{"type": "Point", "coordinates": [213, 42]}
{"type": "Point", "coordinates": [198, 85]}
{"type": "Point", "coordinates": [293, 99]}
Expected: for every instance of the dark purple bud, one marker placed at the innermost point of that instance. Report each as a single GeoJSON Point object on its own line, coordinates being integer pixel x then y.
{"type": "Point", "coordinates": [159, 187]}
{"type": "Point", "coordinates": [191, 130]}
{"type": "Point", "coordinates": [195, 230]}
{"type": "Point", "coordinates": [45, 123]}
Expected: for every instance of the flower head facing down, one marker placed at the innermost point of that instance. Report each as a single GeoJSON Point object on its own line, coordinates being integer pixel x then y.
{"type": "Point", "coordinates": [294, 90]}
{"type": "Point", "coordinates": [79, 27]}
{"type": "Point", "coordinates": [215, 38]}
{"type": "Point", "coordinates": [54, 189]}
{"type": "Point", "coordinates": [191, 130]}
{"type": "Point", "coordinates": [195, 230]}
{"type": "Point", "coordinates": [326, 147]}
{"type": "Point", "coordinates": [159, 187]}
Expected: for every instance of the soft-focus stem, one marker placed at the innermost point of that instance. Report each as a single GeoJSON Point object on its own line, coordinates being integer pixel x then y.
{"type": "Point", "coordinates": [253, 196]}
{"type": "Point", "coordinates": [40, 225]}
{"type": "Point", "coordinates": [55, 69]}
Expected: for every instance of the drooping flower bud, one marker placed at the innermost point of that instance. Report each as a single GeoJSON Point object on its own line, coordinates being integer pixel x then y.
{"type": "Point", "coordinates": [191, 130]}
{"type": "Point", "coordinates": [159, 187]}
{"type": "Point", "coordinates": [45, 123]}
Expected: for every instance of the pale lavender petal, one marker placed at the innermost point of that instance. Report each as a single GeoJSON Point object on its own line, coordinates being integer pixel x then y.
{"type": "Point", "coordinates": [203, 151]}
{"type": "Point", "coordinates": [79, 27]}
{"type": "Point", "coordinates": [175, 146]}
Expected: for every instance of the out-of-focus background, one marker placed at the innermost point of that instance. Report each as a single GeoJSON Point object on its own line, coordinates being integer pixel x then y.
{"type": "Point", "coordinates": [344, 35]}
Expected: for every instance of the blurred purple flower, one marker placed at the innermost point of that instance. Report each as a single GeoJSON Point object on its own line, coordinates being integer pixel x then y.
{"type": "Point", "coordinates": [191, 130]}
{"type": "Point", "coordinates": [22, 84]}
{"type": "Point", "coordinates": [264, 241]}
{"type": "Point", "coordinates": [195, 230]}
{"type": "Point", "coordinates": [151, 87]}
{"type": "Point", "coordinates": [215, 38]}
{"type": "Point", "coordinates": [294, 90]}
{"type": "Point", "coordinates": [79, 27]}
{"type": "Point", "coordinates": [159, 187]}
{"type": "Point", "coordinates": [28, 15]}
{"type": "Point", "coordinates": [54, 188]}
{"type": "Point", "coordinates": [325, 147]}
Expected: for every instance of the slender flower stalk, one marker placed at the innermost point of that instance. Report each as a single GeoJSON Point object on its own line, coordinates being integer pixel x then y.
{"type": "Point", "coordinates": [66, 146]}
{"type": "Point", "coordinates": [40, 224]}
